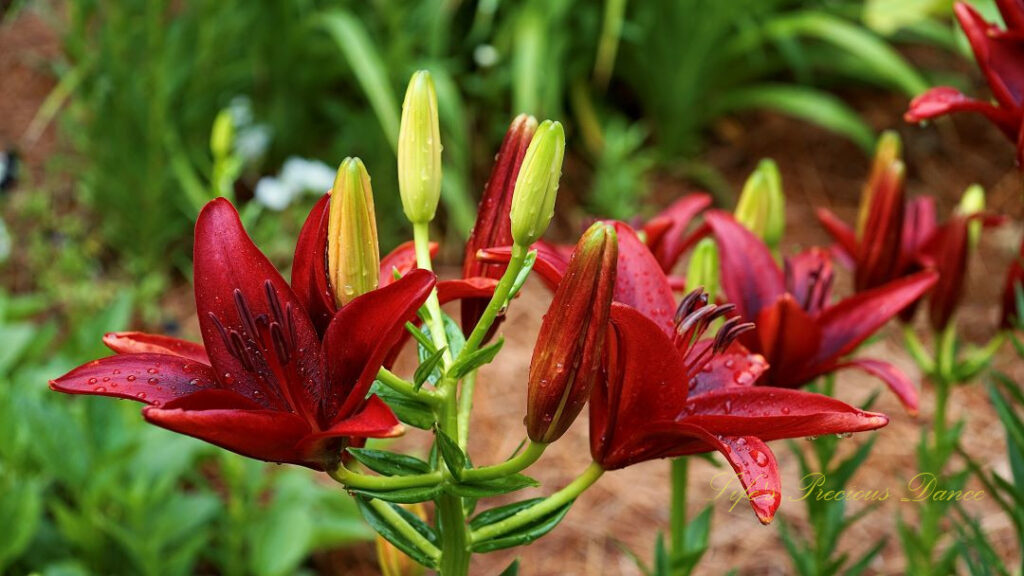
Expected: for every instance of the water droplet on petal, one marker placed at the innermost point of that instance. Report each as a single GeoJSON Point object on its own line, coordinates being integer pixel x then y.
{"type": "Point", "coordinates": [131, 378]}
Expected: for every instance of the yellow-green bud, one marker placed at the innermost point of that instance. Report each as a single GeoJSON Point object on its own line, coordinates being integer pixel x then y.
{"type": "Point", "coordinates": [222, 136]}
{"type": "Point", "coordinates": [972, 202]}
{"type": "Point", "coordinates": [533, 199]}
{"type": "Point", "coordinates": [888, 150]}
{"type": "Point", "coordinates": [353, 255]}
{"type": "Point", "coordinates": [762, 206]}
{"type": "Point", "coordinates": [703, 268]}
{"type": "Point", "coordinates": [419, 150]}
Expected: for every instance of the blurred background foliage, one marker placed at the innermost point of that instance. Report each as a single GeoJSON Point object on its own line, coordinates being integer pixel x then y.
{"type": "Point", "coordinates": [161, 105]}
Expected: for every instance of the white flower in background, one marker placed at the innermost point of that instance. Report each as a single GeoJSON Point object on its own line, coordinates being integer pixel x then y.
{"type": "Point", "coordinates": [5, 242]}
{"type": "Point", "coordinates": [298, 176]}
{"type": "Point", "coordinates": [251, 140]}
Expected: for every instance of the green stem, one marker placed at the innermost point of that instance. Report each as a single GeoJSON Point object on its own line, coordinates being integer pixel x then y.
{"type": "Point", "coordinates": [421, 239]}
{"type": "Point", "coordinates": [455, 552]}
{"type": "Point", "coordinates": [549, 505]}
{"type": "Point", "coordinates": [352, 479]}
{"type": "Point", "coordinates": [466, 408]}
{"type": "Point", "coordinates": [399, 524]}
{"type": "Point", "coordinates": [945, 354]}
{"type": "Point", "coordinates": [501, 292]}
{"type": "Point", "coordinates": [513, 465]}
{"type": "Point", "coordinates": [677, 512]}
{"type": "Point", "coordinates": [403, 386]}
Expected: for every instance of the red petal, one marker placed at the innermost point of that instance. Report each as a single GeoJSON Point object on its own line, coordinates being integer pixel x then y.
{"type": "Point", "coordinates": [848, 323]}
{"type": "Point", "coordinates": [640, 282]}
{"type": "Point", "coordinates": [550, 265]}
{"type": "Point", "coordinates": [734, 367]}
{"type": "Point", "coordinates": [450, 290]}
{"type": "Point", "coordinates": [140, 343]}
{"type": "Point", "coordinates": [919, 225]}
{"type": "Point", "coordinates": [775, 413]}
{"type": "Point", "coordinates": [151, 378]}
{"type": "Point", "coordinates": [360, 337]}
{"type": "Point", "coordinates": [944, 100]}
{"type": "Point", "coordinates": [259, 338]}
{"type": "Point", "coordinates": [879, 258]}
{"type": "Point", "coordinates": [401, 259]}
{"type": "Point", "coordinates": [809, 279]}
{"type": "Point", "coordinates": [999, 58]}
{"type": "Point", "coordinates": [665, 233]}
{"type": "Point", "coordinates": [789, 338]}
{"type": "Point", "coordinates": [309, 267]}
{"type": "Point", "coordinates": [843, 235]}
{"type": "Point", "coordinates": [227, 420]}
{"type": "Point", "coordinates": [374, 420]}
{"type": "Point", "coordinates": [1012, 12]}
{"type": "Point", "coordinates": [902, 386]}
{"type": "Point", "coordinates": [750, 277]}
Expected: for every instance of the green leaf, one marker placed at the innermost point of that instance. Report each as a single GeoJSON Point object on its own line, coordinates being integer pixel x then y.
{"type": "Point", "coordinates": [409, 410]}
{"type": "Point", "coordinates": [453, 456]}
{"type": "Point", "coordinates": [422, 338]}
{"type": "Point", "coordinates": [488, 517]}
{"type": "Point", "coordinates": [526, 534]}
{"type": "Point", "coordinates": [861, 565]}
{"type": "Point", "coordinates": [512, 570]}
{"type": "Point", "coordinates": [493, 487]}
{"type": "Point", "coordinates": [389, 533]}
{"type": "Point", "coordinates": [401, 495]}
{"type": "Point", "coordinates": [475, 360]}
{"type": "Point", "coordinates": [389, 463]}
{"type": "Point", "coordinates": [800, 102]}
{"type": "Point", "coordinates": [524, 273]}
{"type": "Point", "coordinates": [21, 507]}
{"type": "Point", "coordinates": [282, 541]}
{"type": "Point", "coordinates": [427, 368]}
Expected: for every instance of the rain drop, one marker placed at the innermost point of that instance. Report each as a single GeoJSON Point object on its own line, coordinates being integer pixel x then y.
{"type": "Point", "coordinates": [151, 370]}
{"type": "Point", "coordinates": [759, 458]}
{"type": "Point", "coordinates": [141, 395]}
{"type": "Point", "coordinates": [100, 389]}
{"type": "Point", "coordinates": [92, 380]}
{"type": "Point", "coordinates": [844, 435]}
{"type": "Point", "coordinates": [154, 380]}
{"type": "Point", "coordinates": [131, 378]}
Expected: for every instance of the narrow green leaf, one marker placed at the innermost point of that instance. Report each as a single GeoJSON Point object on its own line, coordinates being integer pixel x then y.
{"type": "Point", "coordinates": [427, 368]}
{"type": "Point", "coordinates": [493, 487]}
{"type": "Point", "coordinates": [453, 456]}
{"type": "Point", "coordinates": [408, 410]}
{"type": "Point", "coordinates": [475, 360]}
{"type": "Point", "coordinates": [389, 463]}
{"type": "Point", "coordinates": [402, 495]}
{"type": "Point", "coordinates": [526, 534]}
{"type": "Point", "coordinates": [389, 533]}
{"type": "Point", "coordinates": [512, 570]}
{"type": "Point", "coordinates": [488, 517]}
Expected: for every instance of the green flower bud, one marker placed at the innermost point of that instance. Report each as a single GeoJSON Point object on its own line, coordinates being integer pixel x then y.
{"type": "Point", "coordinates": [533, 200]}
{"type": "Point", "coordinates": [703, 268]}
{"type": "Point", "coordinates": [762, 206]}
{"type": "Point", "coordinates": [971, 203]}
{"type": "Point", "coordinates": [419, 150]}
{"type": "Point", "coordinates": [353, 256]}
{"type": "Point", "coordinates": [222, 136]}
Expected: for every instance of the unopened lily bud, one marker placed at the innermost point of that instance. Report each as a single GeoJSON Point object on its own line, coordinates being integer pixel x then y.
{"type": "Point", "coordinates": [567, 357]}
{"type": "Point", "coordinates": [888, 151]}
{"type": "Point", "coordinates": [394, 562]}
{"type": "Point", "coordinates": [703, 268]}
{"type": "Point", "coordinates": [419, 150]}
{"type": "Point", "coordinates": [971, 203]}
{"type": "Point", "coordinates": [533, 200]}
{"type": "Point", "coordinates": [222, 136]}
{"type": "Point", "coordinates": [353, 255]}
{"type": "Point", "coordinates": [880, 257]}
{"type": "Point", "coordinates": [762, 205]}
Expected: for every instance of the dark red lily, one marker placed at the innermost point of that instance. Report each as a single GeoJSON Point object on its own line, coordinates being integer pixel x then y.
{"type": "Point", "coordinates": [666, 234]}
{"type": "Point", "coordinates": [1000, 55]}
{"type": "Point", "coordinates": [800, 332]}
{"type": "Point", "coordinates": [1012, 316]}
{"type": "Point", "coordinates": [493, 226]}
{"type": "Point", "coordinates": [262, 384]}
{"type": "Point", "coordinates": [314, 290]}
{"type": "Point", "coordinates": [674, 394]}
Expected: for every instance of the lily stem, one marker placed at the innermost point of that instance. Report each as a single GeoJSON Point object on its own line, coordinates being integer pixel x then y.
{"type": "Point", "coordinates": [451, 516]}
{"type": "Point", "coordinates": [549, 505]}
{"type": "Point", "coordinates": [403, 386]}
{"type": "Point", "coordinates": [501, 292]}
{"type": "Point", "coordinates": [398, 523]}
{"type": "Point", "coordinates": [677, 513]}
{"type": "Point", "coordinates": [466, 408]}
{"type": "Point", "coordinates": [352, 479]}
{"type": "Point", "coordinates": [421, 239]}
{"type": "Point", "coordinates": [513, 465]}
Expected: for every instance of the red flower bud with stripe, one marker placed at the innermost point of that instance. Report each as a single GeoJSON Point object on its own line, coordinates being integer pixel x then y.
{"type": "Point", "coordinates": [567, 357]}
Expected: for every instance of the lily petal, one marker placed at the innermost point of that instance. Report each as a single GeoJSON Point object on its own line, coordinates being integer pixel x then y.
{"type": "Point", "coordinates": [461, 289]}
{"type": "Point", "coordinates": [140, 343]}
{"type": "Point", "coordinates": [944, 100]}
{"type": "Point", "coordinates": [260, 341]}
{"type": "Point", "coordinates": [155, 379]}
{"type": "Point", "coordinates": [374, 420]}
{"type": "Point", "coordinates": [309, 267]}
{"type": "Point", "coordinates": [640, 281]}
{"type": "Point", "coordinates": [750, 277]}
{"type": "Point", "coordinates": [360, 338]}
{"type": "Point", "coordinates": [848, 323]}
{"type": "Point", "coordinates": [844, 236]}
{"type": "Point", "coordinates": [999, 58]}
{"type": "Point", "coordinates": [789, 337]}
{"type": "Point", "coordinates": [902, 386]}
{"type": "Point", "coordinates": [666, 233]}
{"type": "Point", "coordinates": [550, 265]}
{"type": "Point", "coordinates": [734, 367]}
{"type": "Point", "coordinates": [401, 260]}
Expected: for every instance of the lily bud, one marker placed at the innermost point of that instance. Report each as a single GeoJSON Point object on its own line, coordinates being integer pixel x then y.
{"type": "Point", "coordinates": [419, 150]}
{"type": "Point", "coordinates": [567, 358]}
{"type": "Point", "coordinates": [703, 268]}
{"type": "Point", "coordinates": [222, 135]}
{"type": "Point", "coordinates": [394, 562]}
{"type": "Point", "coordinates": [880, 257]}
{"type": "Point", "coordinates": [762, 205]}
{"type": "Point", "coordinates": [888, 151]}
{"type": "Point", "coordinates": [533, 200]}
{"type": "Point", "coordinates": [353, 255]}
{"type": "Point", "coordinates": [971, 203]}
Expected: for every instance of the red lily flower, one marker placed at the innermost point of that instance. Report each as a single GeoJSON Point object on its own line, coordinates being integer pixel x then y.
{"type": "Point", "coordinates": [665, 234]}
{"type": "Point", "coordinates": [799, 331]}
{"type": "Point", "coordinates": [1012, 316]}
{"type": "Point", "coordinates": [314, 290]}
{"type": "Point", "coordinates": [1000, 55]}
{"type": "Point", "coordinates": [493, 226]}
{"type": "Point", "coordinates": [262, 384]}
{"type": "Point", "coordinates": [674, 395]}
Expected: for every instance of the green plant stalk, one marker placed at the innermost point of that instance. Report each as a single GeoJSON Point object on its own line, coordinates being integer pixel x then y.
{"type": "Point", "coordinates": [466, 408]}
{"type": "Point", "coordinates": [550, 504]}
{"type": "Point", "coordinates": [403, 386]}
{"type": "Point", "coordinates": [352, 479]}
{"type": "Point", "coordinates": [455, 552]}
{"type": "Point", "coordinates": [501, 292]}
{"type": "Point", "coordinates": [421, 238]}
{"type": "Point", "coordinates": [398, 523]}
{"type": "Point", "coordinates": [677, 513]}
{"type": "Point", "coordinates": [514, 465]}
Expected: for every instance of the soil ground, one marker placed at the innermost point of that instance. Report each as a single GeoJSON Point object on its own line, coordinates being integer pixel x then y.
{"type": "Point", "coordinates": [627, 508]}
